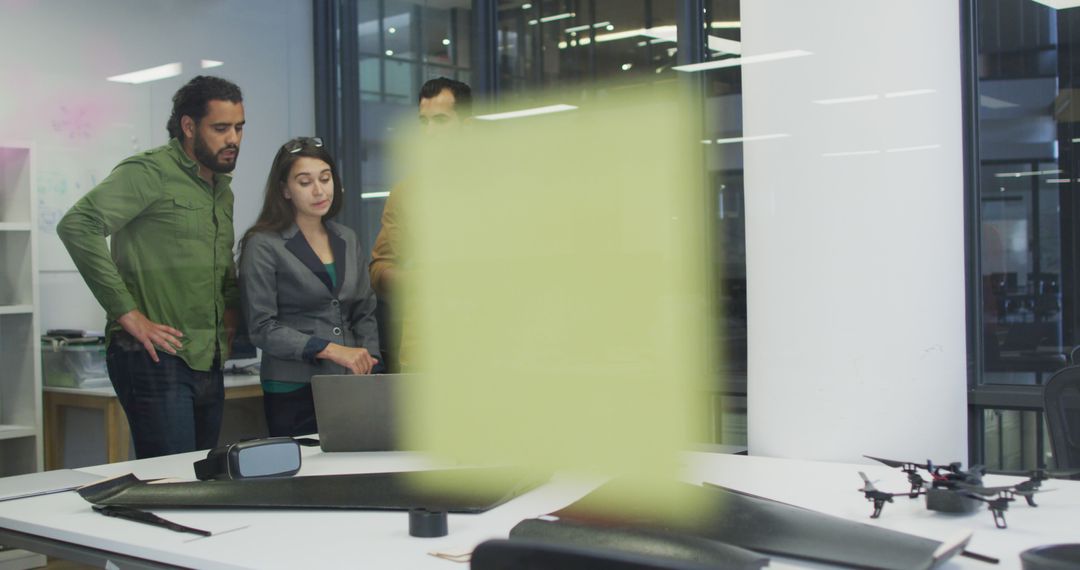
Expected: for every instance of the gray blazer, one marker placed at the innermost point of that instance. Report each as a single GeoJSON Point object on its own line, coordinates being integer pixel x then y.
{"type": "Point", "coordinates": [291, 309]}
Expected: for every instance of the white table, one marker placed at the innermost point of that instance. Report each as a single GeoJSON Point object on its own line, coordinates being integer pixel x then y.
{"type": "Point", "coordinates": [64, 525]}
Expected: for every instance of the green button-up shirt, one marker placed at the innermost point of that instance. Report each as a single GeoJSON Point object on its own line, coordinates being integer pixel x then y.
{"type": "Point", "coordinates": [171, 252]}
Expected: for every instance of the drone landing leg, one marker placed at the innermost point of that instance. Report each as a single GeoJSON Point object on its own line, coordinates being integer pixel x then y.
{"type": "Point", "coordinates": [878, 505]}
{"type": "Point", "coordinates": [999, 518]}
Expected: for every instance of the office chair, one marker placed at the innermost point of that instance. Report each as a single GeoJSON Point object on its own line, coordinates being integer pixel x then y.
{"type": "Point", "coordinates": [1061, 397]}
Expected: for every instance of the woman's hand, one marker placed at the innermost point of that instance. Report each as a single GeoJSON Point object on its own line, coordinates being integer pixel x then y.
{"type": "Point", "coordinates": [357, 360]}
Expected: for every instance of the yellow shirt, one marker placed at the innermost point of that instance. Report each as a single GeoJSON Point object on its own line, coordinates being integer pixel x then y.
{"type": "Point", "coordinates": [387, 255]}
{"type": "Point", "coordinates": [387, 251]}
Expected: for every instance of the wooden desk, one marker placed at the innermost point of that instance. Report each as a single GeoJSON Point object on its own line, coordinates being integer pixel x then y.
{"type": "Point", "coordinates": [117, 434]}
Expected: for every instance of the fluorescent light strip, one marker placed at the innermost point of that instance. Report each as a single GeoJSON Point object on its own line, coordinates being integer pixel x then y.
{"type": "Point", "coordinates": [995, 103]}
{"type": "Point", "coordinates": [526, 112]}
{"type": "Point", "coordinates": [208, 63]}
{"type": "Point", "coordinates": [1059, 4]}
{"type": "Point", "coordinates": [914, 148]}
{"type": "Point", "coordinates": [150, 74]}
{"type": "Point", "coordinates": [562, 16]}
{"type": "Point", "coordinates": [600, 38]}
{"type": "Point", "coordinates": [584, 27]}
{"type": "Point", "coordinates": [910, 93]}
{"type": "Point", "coordinates": [578, 42]}
{"type": "Point", "coordinates": [669, 34]}
{"type": "Point", "coordinates": [373, 195]}
{"type": "Point", "coordinates": [736, 61]}
{"type": "Point", "coordinates": [847, 100]}
{"type": "Point", "coordinates": [726, 25]}
{"type": "Point", "coordinates": [752, 138]}
{"type": "Point", "coordinates": [1057, 181]}
{"type": "Point", "coordinates": [1031, 173]}
{"type": "Point", "coordinates": [662, 32]}
{"type": "Point", "coordinates": [851, 153]}
{"type": "Point", "coordinates": [724, 45]}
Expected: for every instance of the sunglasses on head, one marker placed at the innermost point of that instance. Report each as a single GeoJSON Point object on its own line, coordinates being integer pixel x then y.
{"type": "Point", "coordinates": [298, 143]}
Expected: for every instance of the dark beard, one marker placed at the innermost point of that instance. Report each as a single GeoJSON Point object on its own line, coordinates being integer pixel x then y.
{"type": "Point", "coordinates": [210, 160]}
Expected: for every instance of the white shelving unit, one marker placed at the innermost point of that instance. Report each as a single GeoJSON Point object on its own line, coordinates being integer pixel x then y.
{"type": "Point", "coordinates": [20, 349]}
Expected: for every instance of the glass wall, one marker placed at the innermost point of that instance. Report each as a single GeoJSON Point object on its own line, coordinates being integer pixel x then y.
{"type": "Point", "coordinates": [400, 45]}
{"type": "Point", "coordinates": [590, 46]}
{"type": "Point", "coordinates": [585, 47]}
{"type": "Point", "coordinates": [722, 138]}
{"type": "Point", "coordinates": [564, 43]}
{"type": "Point", "coordinates": [1027, 245]}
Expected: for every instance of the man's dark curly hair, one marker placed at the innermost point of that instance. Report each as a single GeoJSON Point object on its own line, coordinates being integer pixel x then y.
{"type": "Point", "coordinates": [192, 100]}
{"type": "Point", "coordinates": [462, 93]}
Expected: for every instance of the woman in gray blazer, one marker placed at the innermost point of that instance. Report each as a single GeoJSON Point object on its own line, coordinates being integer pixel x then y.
{"type": "Point", "coordinates": [304, 287]}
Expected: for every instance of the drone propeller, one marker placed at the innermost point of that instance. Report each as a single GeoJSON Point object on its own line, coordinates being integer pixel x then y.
{"type": "Point", "coordinates": [868, 485]}
{"type": "Point", "coordinates": [900, 464]}
{"type": "Point", "coordinates": [984, 491]}
{"type": "Point", "coordinates": [1029, 495]}
{"type": "Point", "coordinates": [1027, 490]}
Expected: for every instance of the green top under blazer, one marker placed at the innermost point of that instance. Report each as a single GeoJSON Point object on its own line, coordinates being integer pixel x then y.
{"type": "Point", "coordinates": [293, 308]}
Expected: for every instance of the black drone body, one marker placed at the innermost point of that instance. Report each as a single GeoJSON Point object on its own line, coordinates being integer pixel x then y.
{"type": "Point", "coordinates": [951, 489]}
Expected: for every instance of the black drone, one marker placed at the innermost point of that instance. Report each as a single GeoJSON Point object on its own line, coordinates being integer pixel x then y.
{"type": "Point", "coordinates": [951, 489]}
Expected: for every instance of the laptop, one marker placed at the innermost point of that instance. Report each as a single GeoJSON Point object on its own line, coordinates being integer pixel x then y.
{"type": "Point", "coordinates": [358, 412]}
{"type": "Point", "coordinates": [34, 484]}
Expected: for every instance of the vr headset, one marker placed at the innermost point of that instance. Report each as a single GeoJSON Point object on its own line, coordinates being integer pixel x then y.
{"type": "Point", "coordinates": [254, 458]}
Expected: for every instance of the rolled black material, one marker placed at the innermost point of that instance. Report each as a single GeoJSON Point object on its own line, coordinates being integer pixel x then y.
{"type": "Point", "coordinates": [427, 524]}
{"type": "Point", "coordinates": [678, 549]}
{"type": "Point", "coordinates": [375, 491]}
{"type": "Point", "coordinates": [762, 525]}
{"type": "Point", "coordinates": [520, 554]}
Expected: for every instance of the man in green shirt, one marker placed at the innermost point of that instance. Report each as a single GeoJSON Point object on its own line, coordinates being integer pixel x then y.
{"type": "Point", "coordinates": [168, 286]}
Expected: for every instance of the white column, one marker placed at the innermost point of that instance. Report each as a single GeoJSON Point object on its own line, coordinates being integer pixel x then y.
{"type": "Point", "coordinates": [854, 230]}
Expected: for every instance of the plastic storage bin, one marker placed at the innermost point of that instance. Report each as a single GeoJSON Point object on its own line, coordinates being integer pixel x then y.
{"type": "Point", "coordinates": [73, 364]}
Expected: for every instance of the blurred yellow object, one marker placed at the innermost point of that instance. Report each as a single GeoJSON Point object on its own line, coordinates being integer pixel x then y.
{"type": "Point", "coordinates": [560, 290]}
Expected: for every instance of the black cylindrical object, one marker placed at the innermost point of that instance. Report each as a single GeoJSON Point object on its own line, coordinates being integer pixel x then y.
{"type": "Point", "coordinates": [427, 524]}
{"type": "Point", "coordinates": [1052, 557]}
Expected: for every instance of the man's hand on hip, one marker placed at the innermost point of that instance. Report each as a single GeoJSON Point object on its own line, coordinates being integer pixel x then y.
{"type": "Point", "coordinates": [151, 334]}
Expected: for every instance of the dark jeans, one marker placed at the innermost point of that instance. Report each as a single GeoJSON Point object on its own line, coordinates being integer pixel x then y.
{"type": "Point", "coordinates": [170, 407]}
{"type": "Point", "coordinates": [291, 413]}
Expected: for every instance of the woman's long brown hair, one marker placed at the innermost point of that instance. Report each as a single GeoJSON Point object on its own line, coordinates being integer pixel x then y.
{"type": "Point", "coordinates": [277, 212]}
